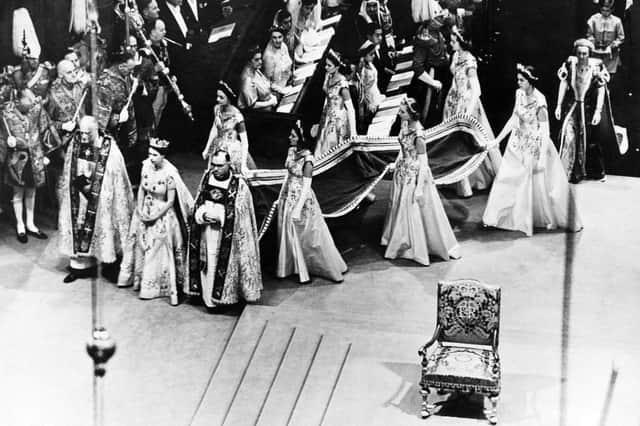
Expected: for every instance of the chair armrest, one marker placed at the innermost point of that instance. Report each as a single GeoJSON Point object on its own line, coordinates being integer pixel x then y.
{"type": "Point", "coordinates": [423, 350]}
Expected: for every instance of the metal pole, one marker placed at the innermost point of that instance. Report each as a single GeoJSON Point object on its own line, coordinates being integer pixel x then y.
{"type": "Point", "coordinates": [101, 346]}
{"type": "Point", "coordinates": [126, 23]}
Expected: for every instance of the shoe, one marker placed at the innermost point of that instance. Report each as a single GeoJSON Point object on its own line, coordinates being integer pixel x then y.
{"type": "Point", "coordinates": [38, 234]}
{"type": "Point", "coordinates": [22, 237]}
{"type": "Point", "coordinates": [76, 274]}
{"type": "Point", "coordinates": [603, 179]}
{"type": "Point", "coordinates": [70, 278]}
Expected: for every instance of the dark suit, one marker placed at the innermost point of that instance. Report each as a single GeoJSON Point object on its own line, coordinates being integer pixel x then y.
{"type": "Point", "coordinates": [178, 51]}
{"type": "Point", "coordinates": [209, 13]}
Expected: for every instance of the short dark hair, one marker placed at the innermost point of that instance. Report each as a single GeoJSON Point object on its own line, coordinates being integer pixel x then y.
{"type": "Point", "coordinates": [143, 4]}
{"type": "Point", "coordinates": [459, 34]}
{"type": "Point", "coordinates": [528, 72]}
{"type": "Point", "coordinates": [151, 24]}
{"type": "Point", "coordinates": [161, 151]}
{"type": "Point", "coordinates": [253, 51]}
{"type": "Point", "coordinates": [412, 108]}
{"type": "Point", "coordinates": [220, 151]}
{"type": "Point", "coordinates": [121, 56]}
{"type": "Point", "coordinates": [281, 15]}
{"type": "Point", "coordinates": [371, 28]}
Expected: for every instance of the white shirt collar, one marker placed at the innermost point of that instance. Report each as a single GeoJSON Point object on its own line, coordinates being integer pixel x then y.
{"type": "Point", "coordinates": [193, 4]}
{"type": "Point", "coordinates": [175, 11]}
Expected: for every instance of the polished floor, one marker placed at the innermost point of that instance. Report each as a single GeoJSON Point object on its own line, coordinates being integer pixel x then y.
{"type": "Point", "coordinates": [569, 347]}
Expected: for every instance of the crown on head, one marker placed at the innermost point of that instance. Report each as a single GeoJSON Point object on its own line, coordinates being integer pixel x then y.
{"type": "Point", "coordinates": [523, 70]}
{"type": "Point", "coordinates": [335, 58]}
{"type": "Point", "coordinates": [159, 143]}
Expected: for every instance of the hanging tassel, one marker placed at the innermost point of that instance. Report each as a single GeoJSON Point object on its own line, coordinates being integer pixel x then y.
{"type": "Point", "coordinates": [78, 21]}
{"type": "Point", "coordinates": [25, 39]}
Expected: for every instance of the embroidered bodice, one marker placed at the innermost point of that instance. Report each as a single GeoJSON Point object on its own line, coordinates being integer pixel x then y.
{"type": "Point", "coordinates": [295, 166]}
{"type": "Point", "coordinates": [407, 165]}
{"type": "Point", "coordinates": [334, 83]}
{"type": "Point", "coordinates": [156, 184]}
{"type": "Point", "coordinates": [462, 63]}
{"type": "Point", "coordinates": [296, 161]}
{"type": "Point", "coordinates": [527, 133]}
{"type": "Point", "coordinates": [226, 122]}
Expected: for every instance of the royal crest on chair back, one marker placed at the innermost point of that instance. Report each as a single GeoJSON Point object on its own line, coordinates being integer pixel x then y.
{"type": "Point", "coordinates": [465, 358]}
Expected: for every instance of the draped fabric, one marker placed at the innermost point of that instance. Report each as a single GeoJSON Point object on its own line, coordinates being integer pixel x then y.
{"type": "Point", "coordinates": [114, 207]}
{"type": "Point", "coordinates": [584, 148]}
{"type": "Point", "coordinates": [224, 262]}
{"type": "Point", "coordinates": [455, 149]}
{"type": "Point", "coordinates": [305, 245]}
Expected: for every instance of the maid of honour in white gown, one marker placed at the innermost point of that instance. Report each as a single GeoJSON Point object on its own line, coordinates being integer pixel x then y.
{"type": "Point", "coordinates": [531, 188]}
{"type": "Point", "coordinates": [416, 225]}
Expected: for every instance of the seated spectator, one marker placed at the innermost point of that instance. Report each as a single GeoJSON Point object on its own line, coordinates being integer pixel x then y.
{"type": "Point", "coordinates": [277, 64]}
{"type": "Point", "coordinates": [255, 88]}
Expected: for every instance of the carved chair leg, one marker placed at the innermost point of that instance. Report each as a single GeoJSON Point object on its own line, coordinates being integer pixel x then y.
{"type": "Point", "coordinates": [427, 409]}
{"type": "Point", "coordinates": [492, 411]}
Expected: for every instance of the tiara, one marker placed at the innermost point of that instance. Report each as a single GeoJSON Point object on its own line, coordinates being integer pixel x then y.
{"type": "Point", "coordinates": [523, 70]}
{"type": "Point", "coordinates": [226, 88]}
{"type": "Point", "coordinates": [334, 56]}
{"type": "Point", "coordinates": [158, 143]}
{"type": "Point", "coordinates": [456, 31]}
{"type": "Point", "coordinates": [405, 102]}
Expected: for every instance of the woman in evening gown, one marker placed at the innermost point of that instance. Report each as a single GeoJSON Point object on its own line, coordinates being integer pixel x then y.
{"type": "Point", "coordinates": [154, 259]}
{"type": "Point", "coordinates": [255, 91]}
{"type": "Point", "coordinates": [370, 97]}
{"type": "Point", "coordinates": [228, 132]}
{"type": "Point", "coordinates": [305, 244]}
{"type": "Point", "coordinates": [338, 119]}
{"type": "Point", "coordinates": [416, 224]}
{"type": "Point", "coordinates": [464, 98]}
{"type": "Point", "coordinates": [531, 189]}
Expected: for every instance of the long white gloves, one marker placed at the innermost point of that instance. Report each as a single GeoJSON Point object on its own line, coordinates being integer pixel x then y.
{"type": "Point", "coordinates": [424, 177]}
{"type": "Point", "coordinates": [244, 143]}
{"type": "Point", "coordinates": [304, 194]}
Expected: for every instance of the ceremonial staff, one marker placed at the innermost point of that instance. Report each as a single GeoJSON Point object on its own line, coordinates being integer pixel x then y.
{"type": "Point", "coordinates": [100, 346]}
{"type": "Point", "coordinates": [132, 18]}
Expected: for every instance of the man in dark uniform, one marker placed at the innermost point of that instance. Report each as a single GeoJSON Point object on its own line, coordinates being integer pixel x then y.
{"type": "Point", "coordinates": [431, 67]}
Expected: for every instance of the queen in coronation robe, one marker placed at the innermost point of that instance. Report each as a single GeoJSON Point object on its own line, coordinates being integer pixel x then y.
{"type": "Point", "coordinates": [531, 189]}
{"type": "Point", "coordinates": [224, 254]}
{"type": "Point", "coordinates": [416, 224]}
{"type": "Point", "coordinates": [155, 254]}
{"type": "Point", "coordinates": [305, 245]}
{"type": "Point", "coordinates": [464, 98]}
{"type": "Point", "coordinates": [96, 201]}
{"type": "Point", "coordinates": [587, 130]}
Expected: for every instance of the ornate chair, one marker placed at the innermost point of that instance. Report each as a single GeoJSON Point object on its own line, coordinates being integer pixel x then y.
{"type": "Point", "coordinates": [465, 358]}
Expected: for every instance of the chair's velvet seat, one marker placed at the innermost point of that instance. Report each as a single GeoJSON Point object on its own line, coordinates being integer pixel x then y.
{"type": "Point", "coordinates": [464, 369]}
